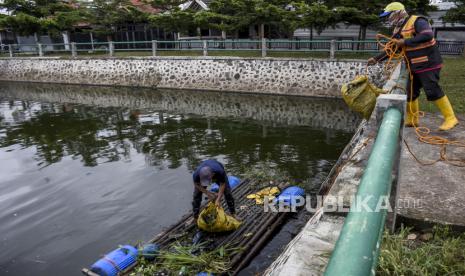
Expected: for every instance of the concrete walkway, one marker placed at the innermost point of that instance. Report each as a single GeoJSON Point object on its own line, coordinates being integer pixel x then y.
{"type": "Point", "coordinates": [434, 193]}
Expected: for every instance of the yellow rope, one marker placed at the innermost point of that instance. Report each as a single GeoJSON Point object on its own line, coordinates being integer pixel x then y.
{"type": "Point", "coordinates": [423, 133]}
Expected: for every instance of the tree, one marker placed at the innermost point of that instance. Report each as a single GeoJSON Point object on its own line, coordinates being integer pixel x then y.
{"type": "Point", "coordinates": [228, 16]}
{"type": "Point", "coordinates": [106, 15]}
{"type": "Point", "coordinates": [266, 12]}
{"type": "Point", "coordinates": [315, 16]}
{"type": "Point", "coordinates": [233, 15]}
{"type": "Point", "coordinates": [175, 20]}
{"type": "Point", "coordinates": [365, 13]}
{"type": "Point", "coordinates": [457, 14]}
{"type": "Point", "coordinates": [32, 17]}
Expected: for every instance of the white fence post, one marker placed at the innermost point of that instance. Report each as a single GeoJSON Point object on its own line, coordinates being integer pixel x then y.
{"type": "Point", "coordinates": [39, 47]}
{"type": "Point", "coordinates": [10, 50]}
{"type": "Point", "coordinates": [332, 49]}
{"type": "Point", "coordinates": [73, 49]}
{"type": "Point", "coordinates": [263, 47]}
{"type": "Point", "coordinates": [154, 48]}
{"type": "Point", "coordinates": [205, 48]}
{"type": "Point", "coordinates": [111, 47]}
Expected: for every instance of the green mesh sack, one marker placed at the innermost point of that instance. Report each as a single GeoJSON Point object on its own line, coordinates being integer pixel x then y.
{"type": "Point", "coordinates": [360, 95]}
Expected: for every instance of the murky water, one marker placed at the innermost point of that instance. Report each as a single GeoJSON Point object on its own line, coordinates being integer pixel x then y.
{"type": "Point", "coordinates": [84, 169]}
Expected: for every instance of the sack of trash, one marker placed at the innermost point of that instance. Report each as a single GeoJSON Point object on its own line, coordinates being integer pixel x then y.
{"type": "Point", "coordinates": [214, 219]}
{"type": "Point", "coordinates": [360, 95]}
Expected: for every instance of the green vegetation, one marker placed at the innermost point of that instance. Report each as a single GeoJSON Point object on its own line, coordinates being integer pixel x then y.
{"type": "Point", "coordinates": [457, 14]}
{"type": "Point", "coordinates": [274, 18]}
{"type": "Point", "coordinates": [441, 252]}
{"type": "Point", "coordinates": [187, 260]}
{"type": "Point", "coordinates": [453, 84]}
{"type": "Point", "coordinates": [265, 174]}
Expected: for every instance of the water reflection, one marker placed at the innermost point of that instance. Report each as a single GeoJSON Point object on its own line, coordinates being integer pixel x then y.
{"type": "Point", "coordinates": [273, 109]}
{"type": "Point", "coordinates": [83, 169]}
{"type": "Point", "coordinates": [96, 135]}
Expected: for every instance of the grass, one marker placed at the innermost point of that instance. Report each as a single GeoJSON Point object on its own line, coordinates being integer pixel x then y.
{"type": "Point", "coordinates": [442, 254]}
{"type": "Point", "coordinates": [187, 260]}
{"type": "Point", "coordinates": [232, 53]}
{"type": "Point", "coordinates": [453, 84]}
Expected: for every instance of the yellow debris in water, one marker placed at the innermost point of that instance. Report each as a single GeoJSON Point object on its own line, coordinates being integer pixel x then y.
{"type": "Point", "coordinates": [259, 196]}
{"type": "Point", "coordinates": [360, 95]}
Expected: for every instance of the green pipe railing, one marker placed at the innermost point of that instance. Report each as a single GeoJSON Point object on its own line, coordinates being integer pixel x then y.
{"type": "Point", "coordinates": [357, 249]}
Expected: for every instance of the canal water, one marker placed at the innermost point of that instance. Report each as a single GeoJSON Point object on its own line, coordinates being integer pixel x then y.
{"type": "Point", "coordinates": [84, 169]}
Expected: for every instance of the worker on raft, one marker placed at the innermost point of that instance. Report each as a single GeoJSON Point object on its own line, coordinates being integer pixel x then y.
{"type": "Point", "coordinates": [211, 171]}
{"type": "Point", "coordinates": [415, 35]}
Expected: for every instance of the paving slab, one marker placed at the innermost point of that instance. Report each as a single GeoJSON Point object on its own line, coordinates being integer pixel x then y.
{"type": "Point", "coordinates": [432, 193]}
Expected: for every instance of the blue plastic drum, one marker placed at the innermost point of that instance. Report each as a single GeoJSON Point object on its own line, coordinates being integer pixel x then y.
{"type": "Point", "coordinates": [290, 195]}
{"type": "Point", "coordinates": [115, 261]}
{"type": "Point", "coordinates": [233, 183]}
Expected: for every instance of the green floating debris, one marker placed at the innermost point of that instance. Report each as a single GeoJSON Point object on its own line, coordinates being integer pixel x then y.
{"type": "Point", "coordinates": [188, 260]}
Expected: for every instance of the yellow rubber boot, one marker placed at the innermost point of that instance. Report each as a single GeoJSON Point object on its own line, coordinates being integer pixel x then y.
{"type": "Point", "coordinates": [450, 121]}
{"type": "Point", "coordinates": [412, 113]}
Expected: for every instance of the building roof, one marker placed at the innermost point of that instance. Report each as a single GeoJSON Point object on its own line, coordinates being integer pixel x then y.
{"type": "Point", "coordinates": [144, 7]}
{"type": "Point", "coordinates": [195, 5]}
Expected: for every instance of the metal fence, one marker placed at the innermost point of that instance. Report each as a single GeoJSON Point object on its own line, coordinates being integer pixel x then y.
{"type": "Point", "coordinates": [331, 47]}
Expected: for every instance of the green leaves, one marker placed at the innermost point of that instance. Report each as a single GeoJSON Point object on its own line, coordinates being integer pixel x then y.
{"type": "Point", "coordinates": [176, 20]}
{"type": "Point", "coordinates": [28, 17]}
{"type": "Point", "coordinates": [457, 14]}
{"type": "Point", "coordinates": [23, 24]}
{"type": "Point", "coordinates": [105, 15]}
{"type": "Point", "coordinates": [315, 15]}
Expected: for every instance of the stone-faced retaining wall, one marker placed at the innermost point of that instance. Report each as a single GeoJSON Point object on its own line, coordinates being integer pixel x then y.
{"type": "Point", "coordinates": [259, 75]}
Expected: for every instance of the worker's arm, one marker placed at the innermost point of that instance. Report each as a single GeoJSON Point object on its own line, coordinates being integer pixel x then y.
{"type": "Point", "coordinates": [210, 195]}
{"type": "Point", "coordinates": [423, 31]}
{"type": "Point", "coordinates": [220, 193]}
{"type": "Point", "coordinates": [378, 58]}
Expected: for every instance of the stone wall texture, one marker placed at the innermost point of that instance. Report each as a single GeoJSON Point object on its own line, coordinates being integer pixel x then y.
{"type": "Point", "coordinates": [258, 75]}
{"type": "Point", "coordinates": [269, 109]}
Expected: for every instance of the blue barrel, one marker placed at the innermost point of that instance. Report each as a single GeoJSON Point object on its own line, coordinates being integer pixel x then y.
{"type": "Point", "coordinates": [115, 261]}
{"type": "Point", "coordinates": [204, 274]}
{"type": "Point", "coordinates": [287, 196]}
{"type": "Point", "coordinates": [233, 183]}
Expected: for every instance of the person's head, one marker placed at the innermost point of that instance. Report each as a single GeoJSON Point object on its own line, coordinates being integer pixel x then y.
{"type": "Point", "coordinates": [206, 176]}
{"type": "Point", "coordinates": [395, 13]}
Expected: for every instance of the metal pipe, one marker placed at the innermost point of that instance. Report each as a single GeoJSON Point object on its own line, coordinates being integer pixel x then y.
{"type": "Point", "coordinates": [356, 251]}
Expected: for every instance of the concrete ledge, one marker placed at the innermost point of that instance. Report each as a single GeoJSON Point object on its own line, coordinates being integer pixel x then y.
{"type": "Point", "coordinates": [433, 193]}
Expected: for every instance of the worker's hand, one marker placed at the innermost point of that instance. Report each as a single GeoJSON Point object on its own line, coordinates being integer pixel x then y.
{"type": "Point", "coordinates": [372, 61]}
{"type": "Point", "coordinates": [399, 42]}
{"type": "Point", "coordinates": [212, 196]}
{"type": "Point", "coordinates": [218, 201]}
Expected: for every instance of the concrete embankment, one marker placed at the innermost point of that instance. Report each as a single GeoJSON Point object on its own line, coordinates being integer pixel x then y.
{"type": "Point", "coordinates": [305, 77]}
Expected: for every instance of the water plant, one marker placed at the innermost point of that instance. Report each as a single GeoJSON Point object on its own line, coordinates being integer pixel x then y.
{"type": "Point", "coordinates": [181, 259]}
{"type": "Point", "coordinates": [266, 174]}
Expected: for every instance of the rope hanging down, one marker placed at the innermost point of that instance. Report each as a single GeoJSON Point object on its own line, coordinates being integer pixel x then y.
{"type": "Point", "coordinates": [395, 56]}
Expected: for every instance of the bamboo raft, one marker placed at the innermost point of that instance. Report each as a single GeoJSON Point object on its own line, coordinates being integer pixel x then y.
{"type": "Point", "coordinates": [256, 229]}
